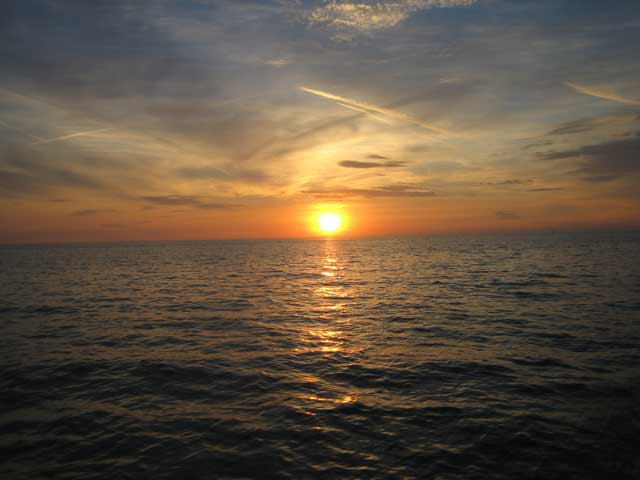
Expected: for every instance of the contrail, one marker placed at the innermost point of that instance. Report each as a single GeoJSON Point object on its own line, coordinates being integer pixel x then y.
{"type": "Point", "coordinates": [332, 123]}
{"type": "Point", "coordinates": [95, 118]}
{"type": "Point", "coordinates": [602, 94]}
{"type": "Point", "coordinates": [73, 135]}
{"type": "Point", "coordinates": [26, 134]}
{"type": "Point", "coordinates": [366, 112]}
{"type": "Point", "coordinates": [374, 108]}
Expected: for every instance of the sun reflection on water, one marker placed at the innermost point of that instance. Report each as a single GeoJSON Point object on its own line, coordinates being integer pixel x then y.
{"type": "Point", "coordinates": [330, 267]}
{"type": "Point", "coordinates": [330, 297]}
{"type": "Point", "coordinates": [328, 331]}
{"type": "Point", "coordinates": [341, 400]}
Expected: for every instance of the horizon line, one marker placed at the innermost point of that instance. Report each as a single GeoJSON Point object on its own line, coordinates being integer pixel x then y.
{"type": "Point", "coordinates": [541, 231]}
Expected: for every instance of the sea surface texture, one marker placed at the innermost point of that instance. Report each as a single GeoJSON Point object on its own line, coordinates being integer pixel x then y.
{"type": "Point", "coordinates": [477, 357]}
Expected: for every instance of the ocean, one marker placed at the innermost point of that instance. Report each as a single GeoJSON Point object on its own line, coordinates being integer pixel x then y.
{"type": "Point", "coordinates": [470, 357]}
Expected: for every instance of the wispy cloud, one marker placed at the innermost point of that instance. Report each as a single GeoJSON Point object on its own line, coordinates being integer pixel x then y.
{"type": "Point", "coordinates": [122, 133]}
{"type": "Point", "coordinates": [389, 112]}
{"type": "Point", "coordinates": [602, 93]}
{"type": "Point", "coordinates": [15, 129]}
{"type": "Point", "coordinates": [90, 212]}
{"type": "Point", "coordinates": [278, 62]}
{"type": "Point", "coordinates": [217, 206]}
{"type": "Point", "coordinates": [295, 142]}
{"type": "Point", "coordinates": [507, 215]}
{"type": "Point", "coordinates": [357, 164]}
{"type": "Point", "coordinates": [365, 112]}
{"type": "Point", "coordinates": [72, 135]}
{"type": "Point", "coordinates": [115, 226]}
{"type": "Point", "coordinates": [24, 171]}
{"type": "Point", "coordinates": [230, 174]}
{"type": "Point", "coordinates": [508, 183]}
{"type": "Point", "coordinates": [603, 161]}
{"type": "Point", "coordinates": [546, 189]}
{"type": "Point", "coordinates": [186, 200]}
{"type": "Point", "coordinates": [386, 191]}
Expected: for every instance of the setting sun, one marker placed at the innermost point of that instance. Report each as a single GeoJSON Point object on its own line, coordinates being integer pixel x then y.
{"type": "Point", "coordinates": [329, 222]}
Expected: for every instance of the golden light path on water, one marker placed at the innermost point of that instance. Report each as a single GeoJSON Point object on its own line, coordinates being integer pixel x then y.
{"type": "Point", "coordinates": [330, 337]}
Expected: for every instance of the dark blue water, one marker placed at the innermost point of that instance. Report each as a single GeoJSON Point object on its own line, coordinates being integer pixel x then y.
{"type": "Point", "coordinates": [444, 358]}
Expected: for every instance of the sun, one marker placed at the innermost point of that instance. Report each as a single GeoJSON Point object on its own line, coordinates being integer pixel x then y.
{"type": "Point", "coordinates": [329, 222]}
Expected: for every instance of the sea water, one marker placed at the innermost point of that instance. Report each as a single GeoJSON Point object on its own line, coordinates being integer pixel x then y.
{"type": "Point", "coordinates": [471, 357]}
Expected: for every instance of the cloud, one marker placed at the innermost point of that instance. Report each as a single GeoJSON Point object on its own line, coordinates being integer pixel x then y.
{"type": "Point", "coordinates": [375, 156]}
{"type": "Point", "coordinates": [195, 173]}
{"type": "Point", "coordinates": [507, 215]}
{"type": "Point", "coordinates": [73, 135]}
{"type": "Point", "coordinates": [545, 143]}
{"type": "Point", "coordinates": [357, 164]}
{"type": "Point", "coordinates": [602, 93]}
{"type": "Point", "coordinates": [599, 178]}
{"type": "Point", "coordinates": [604, 161]}
{"type": "Point", "coordinates": [233, 173]}
{"type": "Point", "coordinates": [350, 18]}
{"type": "Point", "coordinates": [508, 183]}
{"type": "Point", "coordinates": [90, 212]}
{"type": "Point", "coordinates": [217, 206]}
{"type": "Point", "coordinates": [126, 135]}
{"type": "Point", "coordinates": [389, 191]}
{"type": "Point", "coordinates": [186, 200]}
{"type": "Point", "coordinates": [24, 171]}
{"type": "Point", "coordinates": [278, 62]}
{"type": "Point", "coordinates": [366, 112]}
{"type": "Point", "coordinates": [590, 124]}
{"type": "Point", "coordinates": [171, 200]}
{"type": "Point", "coordinates": [295, 142]}
{"type": "Point", "coordinates": [578, 126]}
{"type": "Point", "coordinates": [389, 112]}
{"type": "Point", "coordinates": [441, 167]}
{"type": "Point", "coordinates": [26, 134]}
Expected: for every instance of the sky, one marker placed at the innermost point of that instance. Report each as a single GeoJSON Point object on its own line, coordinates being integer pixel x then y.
{"type": "Point", "coordinates": [205, 119]}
